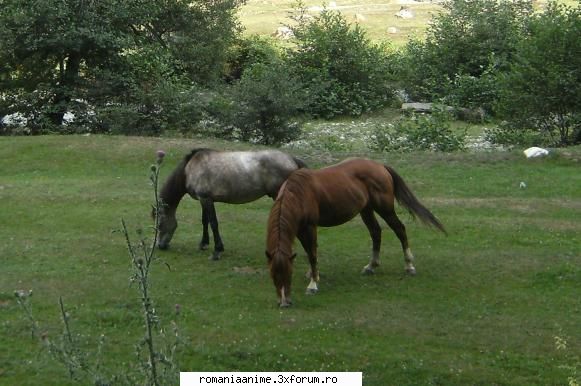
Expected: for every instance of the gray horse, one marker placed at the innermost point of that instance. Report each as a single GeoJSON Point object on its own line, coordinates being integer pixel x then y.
{"type": "Point", "coordinates": [210, 176]}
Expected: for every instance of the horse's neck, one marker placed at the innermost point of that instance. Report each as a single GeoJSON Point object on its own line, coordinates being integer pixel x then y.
{"type": "Point", "coordinates": [173, 190]}
{"type": "Point", "coordinates": [283, 227]}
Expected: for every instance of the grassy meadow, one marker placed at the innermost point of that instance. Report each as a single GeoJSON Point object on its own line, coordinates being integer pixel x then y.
{"type": "Point", "coordinates": [486, 306]}
{"type": "Point", "coordinates": [377, 18]}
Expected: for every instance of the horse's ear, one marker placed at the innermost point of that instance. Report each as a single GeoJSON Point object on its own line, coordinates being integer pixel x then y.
{"type": "Point", "coordinates": [292, 258]}
{"type": "Point", "coordinates": [268, 255]}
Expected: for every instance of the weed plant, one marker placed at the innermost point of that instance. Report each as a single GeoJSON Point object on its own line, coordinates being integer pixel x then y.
{"type": "Point", "coordinates": [419, 132]}
{"type": "Point", "coordinates": [155, 361]}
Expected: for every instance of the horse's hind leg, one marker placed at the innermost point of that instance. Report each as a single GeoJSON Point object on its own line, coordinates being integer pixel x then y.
{"type": "Point", "coordinates": [213, 220]}
{"type": "Point", "coordinates": [375, 232]}
{"type": "Point", "coordinates": [307, 235]}
{"type": "Point", "coordinates": [398, 228]}
{"type": "Point", "coordinates": [205, 234]}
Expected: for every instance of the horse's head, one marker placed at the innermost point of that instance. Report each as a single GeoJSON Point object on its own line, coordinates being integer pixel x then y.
{"type": "Point", "coordinates": [166, 225]}
{"type": "Point", "coordinates": [281, 271]}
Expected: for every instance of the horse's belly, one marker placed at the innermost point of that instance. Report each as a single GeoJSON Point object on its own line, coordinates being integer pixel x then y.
{"type": "Point", "coordinates": [334, 217]}
{"type": "Point", "coordinates": [240, 198]}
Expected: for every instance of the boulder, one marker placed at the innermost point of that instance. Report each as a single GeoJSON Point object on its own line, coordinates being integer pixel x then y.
{"type": "Point", "coordinates": [405, 13]}
{"type": "Point", "coordinates": [534, 152]}
{"type": "Point", "coordinates": [283, 33]}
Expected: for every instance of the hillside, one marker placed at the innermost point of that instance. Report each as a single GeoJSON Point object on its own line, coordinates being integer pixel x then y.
{"type": "Point", "coordinates": [394, 20]}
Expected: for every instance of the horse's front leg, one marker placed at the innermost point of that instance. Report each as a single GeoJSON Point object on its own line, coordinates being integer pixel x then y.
{"type": "Point", "coordinates": [308, 238]}
{"type": "Point", "coordinates": [210, 209]}
{"type": "Point", "coordinates": [205, 242]}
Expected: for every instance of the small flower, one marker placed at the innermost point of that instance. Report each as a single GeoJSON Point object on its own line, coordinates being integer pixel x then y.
{"type": "Point", "coordinates": [160, 155]}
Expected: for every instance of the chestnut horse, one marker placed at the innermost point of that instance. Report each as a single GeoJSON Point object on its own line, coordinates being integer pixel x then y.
{"type": "Point", "coordinates": [234, 177]}
{"type": "Point", "coordinates": [329, 197]}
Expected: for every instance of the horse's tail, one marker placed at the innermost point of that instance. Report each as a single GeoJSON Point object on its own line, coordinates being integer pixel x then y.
{"type": "Point", "coordinates": [408, 200]}
{"type": "Point", "coordinates": [300, 163]}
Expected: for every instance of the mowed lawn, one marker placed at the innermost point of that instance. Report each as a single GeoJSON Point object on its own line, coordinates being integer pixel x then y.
{"type": "Point", "coordinates": [485, 308]}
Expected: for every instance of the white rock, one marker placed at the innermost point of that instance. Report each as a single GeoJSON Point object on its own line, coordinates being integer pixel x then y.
{"type": "Point", "coordinates": [533, 152]}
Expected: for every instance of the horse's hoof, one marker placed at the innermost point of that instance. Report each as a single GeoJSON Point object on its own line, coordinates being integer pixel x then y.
{"type": "Point", "coordinates": [285, 304]}
{"type": "Point", "coordinates": [216, 256]}
{"type": "Point", "coordinates": [312, 291]}
{"type": "Point", "coordinates": [367, 271]}
{"type": "Point", "coordinates": [203, 247]}
{"type": "Point", "coordinates": [411, 271]}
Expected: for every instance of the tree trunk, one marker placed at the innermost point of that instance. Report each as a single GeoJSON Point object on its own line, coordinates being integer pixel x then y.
{"type": "Point", "coordinates": [69, 77]}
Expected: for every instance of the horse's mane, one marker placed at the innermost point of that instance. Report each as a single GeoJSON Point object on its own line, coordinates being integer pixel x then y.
{"type": "Point", "coordinates": [193, 152]}
{"type": "Point", "coordinates": [174, 187]}
{"type": "Point", "coordinates": [286, 208]}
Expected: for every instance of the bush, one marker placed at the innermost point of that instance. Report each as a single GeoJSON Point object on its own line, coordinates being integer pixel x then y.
{"type": "Point", "coordinates": [265, 101]}
{"type": "Point", "coordinates": [506, 135]}
{"type": "Point", "coordinates": [419, 132]}
{"type": "Point", "coordinates": [247, 52]}
{"type": "Point", "coordinates": [342, 71]}
{"type": "Point", "coordinates": [464, 48]}
{"type": "Point", "coordinates": [542, 89]}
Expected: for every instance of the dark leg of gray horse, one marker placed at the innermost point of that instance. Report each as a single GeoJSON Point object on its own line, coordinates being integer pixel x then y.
{"type": "Point", "coordinates": [205, 234]}
{"type": "Point", "coordinates": [213, 220]}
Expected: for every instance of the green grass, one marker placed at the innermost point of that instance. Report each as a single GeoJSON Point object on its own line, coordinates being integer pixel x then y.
{"type": "Point", "coordinates": [375, 17]}
{"type": "Point", "coordinates": [484, 309]}
{"type": "Point", "coordinates": [263, 17]}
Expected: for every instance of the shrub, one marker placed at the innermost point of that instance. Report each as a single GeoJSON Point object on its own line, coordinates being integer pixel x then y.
{"type": "Point", "coordinates": [506, 135]}
{"type": "Point", "coordinates": [266, 100]}
{"type": "Point", "coordinates": [342, 71]}
{"type": "Point", "coordinates": [247, 52]}
{"type": "Point", "coordinates": [419, 132]}
{"type": "Point", "coordinates": [542, 89]}
{"type": "Point", "coordinates": [464, 48]}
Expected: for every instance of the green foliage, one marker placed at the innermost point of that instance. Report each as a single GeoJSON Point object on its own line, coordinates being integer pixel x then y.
{"type": "Point", "coordinates": [247, 52]}
{"type": "Point", "coordinates": [419, 132]}
{"type": "Point", "coordinates": [265, 103]}
{"type": "Point", "coordinates": [464, 47]}
{"type": "Point", "coordinates": [342, 72]}
{"type": "Point", "coordinates": [542, 89]}
{"type": "Point", "coordinates": [507, 135]}
{"type": "Point", "coordinates": [109, 53]}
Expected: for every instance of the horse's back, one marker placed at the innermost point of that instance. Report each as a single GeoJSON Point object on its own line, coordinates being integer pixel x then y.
{"type": "Point", "coordinates": [239, 176]}
{"type": "Point", "coordinates": [344, 189]}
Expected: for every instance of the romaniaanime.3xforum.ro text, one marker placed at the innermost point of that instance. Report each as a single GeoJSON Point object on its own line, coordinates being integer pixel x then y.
{"type": "Point", "coordinates": [271, 378]}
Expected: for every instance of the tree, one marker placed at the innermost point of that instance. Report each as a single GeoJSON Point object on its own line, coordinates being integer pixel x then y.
{"type": "Point", "coordinates": [55, 54]}
{"type": "Point", "coordinates": [542, 89]}
{"type": "Point", "coordinates": [343, 72]}
{"type": "Point", "coordinates": [47, 45]}
{"type": "Point", "coordinates": [267, 99]}
{"type": "Point", "coordinates": [465, 46]}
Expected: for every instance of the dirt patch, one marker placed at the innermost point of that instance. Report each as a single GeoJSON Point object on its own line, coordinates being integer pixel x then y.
{"type": "Point", "coordinates": [247, 270]}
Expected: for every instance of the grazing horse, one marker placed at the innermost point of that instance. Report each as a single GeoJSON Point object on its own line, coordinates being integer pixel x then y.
{"type": "Point", "coordinates": [212, 176]}
{"type": "Point", "coordinates": [329, 197]}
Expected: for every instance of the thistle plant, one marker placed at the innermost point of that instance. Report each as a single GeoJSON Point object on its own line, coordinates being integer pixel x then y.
{"type": "Point", "coordinates": [64, 349]}
{"type": "Point", "coordinates": [158, 364]}
{"type": "Point", "coordinates": [155, 353]}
